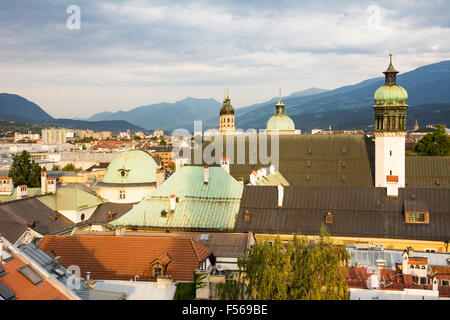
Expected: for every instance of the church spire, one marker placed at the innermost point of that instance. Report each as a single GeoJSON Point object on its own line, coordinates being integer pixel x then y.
{"type": "Point", "coordinates": [279, 108]}
{"type": "Point", "coordinates": [390, 74]}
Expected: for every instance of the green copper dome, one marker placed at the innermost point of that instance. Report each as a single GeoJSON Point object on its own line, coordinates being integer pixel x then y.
{"type": "Point", "coordinates": [391, 96]}
{"type": "Point", "coordinates": [280, 122]}
{"type": "Point", "coordinates": [131, 167]}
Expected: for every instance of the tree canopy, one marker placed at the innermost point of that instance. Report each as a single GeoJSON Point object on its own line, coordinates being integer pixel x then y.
{"type": "Point", "coordinates": [297, 270]}
{"type": "Point", "coordinates": [70, 167]}
{"type": "Point", "coordinates": [435, 143]}
{"type": "Point", "coordinates": [25, 171]}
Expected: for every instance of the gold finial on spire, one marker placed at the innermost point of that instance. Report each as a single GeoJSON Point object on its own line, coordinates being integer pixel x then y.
{"type": "Point", "coordinates": [280, 102]}
{"type": "Point", "coordinates": [228, 93]}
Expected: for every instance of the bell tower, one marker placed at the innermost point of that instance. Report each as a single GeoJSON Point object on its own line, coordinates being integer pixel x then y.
{"type": "Point", "coordinates": [390, 131]}
{"type": "Point", "coordinates": [226, 119]}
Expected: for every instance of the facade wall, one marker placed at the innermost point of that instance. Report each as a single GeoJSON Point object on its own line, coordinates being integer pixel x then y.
{"type": "Point", "coordinates": [389, 157]}
{"type": "Point", "coordinates": [76, 215]}
{"type": "Point", "coordinates": [132, 194]}
{"type": "Point", "coordinates": [393, 244]}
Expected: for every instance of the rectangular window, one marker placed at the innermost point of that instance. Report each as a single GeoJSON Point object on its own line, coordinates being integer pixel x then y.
{"type": "Point", "coordinates": [423, 280]}
{"type": "Point", "coordinates": [445, 282]}
{"type": "Point", "coordinates": [417, 217]}
{"type": "Point", "coordinates": [158, 272]}
{"type": "Point", "coordinates": [122, 194]}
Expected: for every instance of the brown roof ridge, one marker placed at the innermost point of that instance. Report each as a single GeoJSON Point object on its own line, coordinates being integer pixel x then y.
{"type": "Point", "coordinates": [195, 250]}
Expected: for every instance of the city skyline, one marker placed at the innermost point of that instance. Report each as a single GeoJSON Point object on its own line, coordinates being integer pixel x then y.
{"type": "Point", "coordinates": [144, 52]}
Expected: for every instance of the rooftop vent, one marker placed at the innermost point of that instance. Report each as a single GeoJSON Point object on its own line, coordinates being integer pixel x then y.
{"type": "Point", "coordinates": [5, 293]}
{"type": "Point", "coordinates": [28, 272]}
{"type": "Point", "coordinates": [247, 216]}
{"type": "Point", "coordinates": [329, 218]}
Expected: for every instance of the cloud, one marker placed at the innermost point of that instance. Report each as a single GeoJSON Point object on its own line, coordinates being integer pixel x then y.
{"type": "Point", "coordinates": [141, 52]}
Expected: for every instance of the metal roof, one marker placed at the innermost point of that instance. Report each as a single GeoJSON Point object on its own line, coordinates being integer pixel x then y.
{"type": "Point", "coordinates": [368, 258]}
{"type": "Point", "coordinates": [335, 161]}
{"type": "Point", "coordinates": [358, 212]}
{"type": "Point", "coordinates": [24, 211]}
{"type": "Point", "coordinates": [206, 206]}
{"type": "Point", "coordinates": [70, 199]}
{"type": "Point", "coordinates": [100, 215]}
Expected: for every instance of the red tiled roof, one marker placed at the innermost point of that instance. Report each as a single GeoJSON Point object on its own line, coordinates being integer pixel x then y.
{"type": "Point", "coordinates": [165, 259]}
{"type": "Point", "coordinates": [357, 277]}
{"type": "Point", "coordinates": [122, 258]}
{"type": "Point", "coordinates": [23, 288]}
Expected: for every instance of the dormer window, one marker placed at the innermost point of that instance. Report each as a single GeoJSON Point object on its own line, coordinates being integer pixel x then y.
{"type": "Point", "coordinates": [247, 216]}
{"type": "Point", "coordinates": [159, 266]}
{"type": "Point", "coordinates": [329, 218]}
{"type": "Point", "coordinates": [416, 212]}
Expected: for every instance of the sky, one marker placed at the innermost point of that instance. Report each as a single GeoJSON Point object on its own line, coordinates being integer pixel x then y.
{"type": "Point", "coordinates": [125, 54]}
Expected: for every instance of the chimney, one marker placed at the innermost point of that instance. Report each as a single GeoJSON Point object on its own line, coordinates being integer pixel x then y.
{"type": "Point", "coordinates": [21, 191]}
{"type": "Point", "coordinates": [225, 164]}
{"type": "Point", "coordinates": [435, 284]}
{"type": "Point", "coordinates": [264, 172]}
{"type": "Point", "coordinates": [381, 263]}
{"type": "Point", "coordinates": [206, 175]}
{"type": "Point", "coordinates": [259, 174]}
{"type": "Point", "coordinates": [120, 231]}
{"type": "Point", "coordinates": [173, 201]}
{"type": "Point", "coordinates": [160, 177]}
{"type": "Point", "coordinates": [373, 282]}
{"type": "Point", "coordinates": [51, 185]}
{"type": "Point", "coordinates": [88, 276]}
{"type": "Point", "coordinates": [43, 182]}
{"type": "Point", "coordinates": [253, 178]}
{"type": "Point", "coordinates": [410, 252]}
{"type": "Point", "coordinates": [6, 186]}
{"type": "Point", "coordinates": [280, 195]}
{"type": "Point", "coordinates": [272, 169]}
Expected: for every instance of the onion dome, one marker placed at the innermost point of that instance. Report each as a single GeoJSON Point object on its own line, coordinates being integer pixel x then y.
{"type": "Point", "coordinates": [227, 108]}
{"type": "Point", "coordinates": [280, 121]}
{"type": "Point", "coordinates": [390, 94]}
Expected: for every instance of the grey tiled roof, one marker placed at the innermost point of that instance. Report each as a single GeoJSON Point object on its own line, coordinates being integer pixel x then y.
{"type": "Point", "coordinates": [358, 212]}
{"type": "Point", "coordinates": [24, 211]}
{"type": "Point", "coordinates": [339, 161]}
{"type": "Point", "coordinates": [100, 215]}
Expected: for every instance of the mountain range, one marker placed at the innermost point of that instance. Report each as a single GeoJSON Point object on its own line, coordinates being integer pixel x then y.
{"type": "Point", "coordinates": [347, 107]}
{"type": "Point", "coordinates": [16, 108]}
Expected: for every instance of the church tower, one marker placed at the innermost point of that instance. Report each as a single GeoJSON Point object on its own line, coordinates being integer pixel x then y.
{"type": "Point", "coordinates": [390, 131]}
{"type": "Point", "coordinates": [226, 119]}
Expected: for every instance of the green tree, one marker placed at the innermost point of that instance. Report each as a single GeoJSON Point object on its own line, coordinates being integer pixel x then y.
{"type": "Point", "coordinates": [435, 143]}
{"type": "Point", "coordinates": [171, 165]}
{"type": "Point", "coordinates": [25, 171]}
{"type": "Point", "coordinates": [70, 167]}
{"type": "Point", "coordinates": [162, 142]}
{"type": "Point", "coordinates": [297, 270]}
